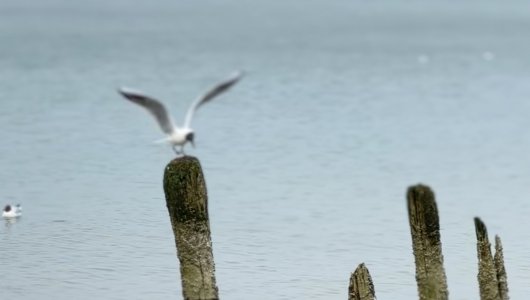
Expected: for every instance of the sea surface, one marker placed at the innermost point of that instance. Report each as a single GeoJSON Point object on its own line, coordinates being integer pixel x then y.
{"type": "Point", "coordinates": [344, 105]}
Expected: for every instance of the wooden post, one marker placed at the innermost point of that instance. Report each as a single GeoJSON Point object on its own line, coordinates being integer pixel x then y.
{"type": "Point", "coordinates": [487, 274]}
{"type": "Point", "coordinates": [361, 285]}
{"type": "Point", "coordinates": [425, 231]}
{"type": "Point", "coordinates": [502, 278]}
{"type": "Point", "coordinates": [187, 203]}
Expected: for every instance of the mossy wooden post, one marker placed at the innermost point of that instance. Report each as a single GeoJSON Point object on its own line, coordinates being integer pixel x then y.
{"type": "Point", "coordinates": [187, 203]}
{"type": "Point", "coordinates": [487, 274]}
{"type": "Point", "coordinates": [425, 231]}
{"type": "Point", "coordinates": [361, 285]}
{"type": "Point", "coordinates": [502, 278]}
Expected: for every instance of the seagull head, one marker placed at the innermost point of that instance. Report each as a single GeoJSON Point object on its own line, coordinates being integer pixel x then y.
{"type": "Point", "coordinates": [7, 208]}
{"type": "Point", "coordinates": [189, 137]}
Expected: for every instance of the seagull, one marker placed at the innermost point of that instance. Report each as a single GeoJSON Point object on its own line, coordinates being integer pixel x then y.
{"type": "Point", "coordinates": [177, 137]}
{"type": "Point", "coordinates": [12, 212]}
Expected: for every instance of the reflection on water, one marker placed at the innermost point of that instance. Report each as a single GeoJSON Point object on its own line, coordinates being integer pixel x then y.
{"type": "Point", "coordinates": [307, 160]}
{"type": "Point", "coordinates": [11, 221]}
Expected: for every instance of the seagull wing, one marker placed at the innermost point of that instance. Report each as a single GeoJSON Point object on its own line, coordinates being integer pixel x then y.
{"type": "Point", "coordinates": [210, 94]}
{"type": "Point", "coordinates": [157, 109]}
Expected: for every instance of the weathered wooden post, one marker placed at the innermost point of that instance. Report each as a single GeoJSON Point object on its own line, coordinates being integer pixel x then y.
{"type": "Point", "coordinates": [361, 285]}
{"type": "Point", "coordinates": [502, 278]}
{"type": "Point", "coordinates": [491, 272]}
{"type": "Point", "coordinates": [487, 276]}
{"type": "Point", "coordinates": [425, 231]}
{"type": "Point", "coordinates": [187, 203]}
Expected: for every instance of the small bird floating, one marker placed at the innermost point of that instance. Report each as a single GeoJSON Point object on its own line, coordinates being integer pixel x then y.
{"type": "Point", "coordinates": [12, 211]}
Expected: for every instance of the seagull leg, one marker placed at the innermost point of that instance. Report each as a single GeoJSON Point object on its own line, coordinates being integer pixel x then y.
{"type": "Point", "coordinates": [176, 150]}
{"type": "Point", "coordinates": [179, 150]}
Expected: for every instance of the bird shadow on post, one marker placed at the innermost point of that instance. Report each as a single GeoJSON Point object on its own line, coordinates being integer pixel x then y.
{"type": "Point", "coordinates": [187, 204]}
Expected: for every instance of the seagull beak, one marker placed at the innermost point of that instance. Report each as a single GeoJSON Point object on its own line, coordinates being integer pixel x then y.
{"type": "Point", "coordinates": [192, 143]}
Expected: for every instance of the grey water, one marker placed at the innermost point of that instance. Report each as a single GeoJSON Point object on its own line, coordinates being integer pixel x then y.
{"type": "Point", "coordinates": [344, 105]}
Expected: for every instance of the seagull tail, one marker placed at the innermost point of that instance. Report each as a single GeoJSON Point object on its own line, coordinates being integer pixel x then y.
{"type": "Point", "coordinates": [161, 141]}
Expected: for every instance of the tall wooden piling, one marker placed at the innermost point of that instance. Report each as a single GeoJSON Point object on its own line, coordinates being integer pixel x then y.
{"type": "Point", "coordinates": [487, 273]}
{"type": "Point", "coordinates": [427, 247]}
{"type": "Point", "coordinates": [361, 285]}
{"type": "Point", "coordinates": [502, 278]}
{"type": "Point", "coordinates": [187, 203]}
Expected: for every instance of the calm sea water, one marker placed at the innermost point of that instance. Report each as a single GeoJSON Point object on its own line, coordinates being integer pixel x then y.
{"type": "Point", "coordinates": [345, 104]}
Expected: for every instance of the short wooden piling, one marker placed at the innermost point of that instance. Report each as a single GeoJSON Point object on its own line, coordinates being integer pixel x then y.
{"type": "Point", "coordinates": [487, 274]}
{"type": "Point", "coordinates": [427, 247]}
{"type": "Point", "coordinates": [502, 278]}
{"type": "Point", "coordinates": [361, 285]}
{"type": "Point", "coordinates": [187, 203]}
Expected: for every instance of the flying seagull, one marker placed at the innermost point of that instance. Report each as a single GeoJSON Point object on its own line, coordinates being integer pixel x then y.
{"type": "Point", "coordinates": [177, 137]}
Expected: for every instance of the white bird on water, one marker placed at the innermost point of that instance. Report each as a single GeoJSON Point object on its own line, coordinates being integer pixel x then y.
{"type": "Point", "coordinates": [12, 211]}
{"type": "Point", "coordinates": [178, 136]}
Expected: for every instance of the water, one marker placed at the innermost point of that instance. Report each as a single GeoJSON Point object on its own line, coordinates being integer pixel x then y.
{"type": "Point", "coordinates": [345, 104]}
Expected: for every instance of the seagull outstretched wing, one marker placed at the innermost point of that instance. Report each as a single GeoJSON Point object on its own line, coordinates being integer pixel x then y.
{"type": "Point", "coordinates": [157, 109]}
{"type": "Point", "coordinates": [210, 94]}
